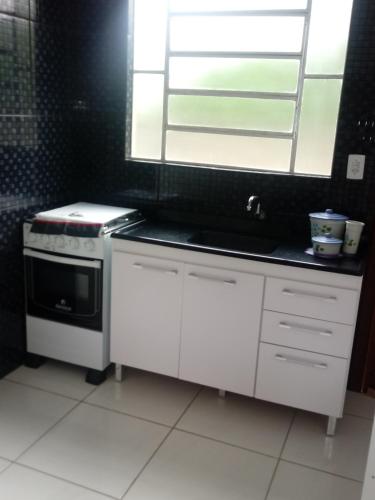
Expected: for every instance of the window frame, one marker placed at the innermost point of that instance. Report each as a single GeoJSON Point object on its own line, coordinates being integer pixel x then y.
{"type": "Point", "coordinates": [297, 97]}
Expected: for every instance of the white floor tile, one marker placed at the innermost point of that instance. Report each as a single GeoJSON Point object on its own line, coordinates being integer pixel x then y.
{"type": "Point", "coordinates": [3, 464]}
{"type": "Point", "coordinates": [359, 405]}
{"type": "Point", "coordinates": [188, 467]}
{"type": "Point", "coordinates": [60, 378]}
{"type": "Point", "coordinates": [345, 454]}
{"type": "Point", "coordinates": [97, 448]}
{"type": "Point", "coordinates": [294, 482]}
{"type": "Point", "coordinates": [18, 483]}
{"type": "Point", "coordinates": [147, 395]}
{"type": "Point", "coordinates": [238, 420]}
{"type": "Point", "coordinates": [25, 414]}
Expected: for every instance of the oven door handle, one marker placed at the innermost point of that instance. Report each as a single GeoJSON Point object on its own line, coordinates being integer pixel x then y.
{"type": "Point", "coordinates": [96, 264]}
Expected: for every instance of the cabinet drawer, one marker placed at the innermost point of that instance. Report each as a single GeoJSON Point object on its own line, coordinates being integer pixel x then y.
{"type": "Point", "coordinates": [312, 382]}
{"type": "Point", "coordinates": [309, 334]}
{"type": "Point", "coordinates": [314, 301]}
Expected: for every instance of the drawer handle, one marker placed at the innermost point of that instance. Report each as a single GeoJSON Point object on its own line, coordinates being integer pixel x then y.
{"type": "Point", "coordinates": [295, 293]}
{"type": "Point", "coordinates": [302, 362]}
{"type": "Point", "coordinates": [304, 329]}
{"type": "Point", "coordinates": [211, 278]}
{"type": "Point", "coordinates": [138, 265]}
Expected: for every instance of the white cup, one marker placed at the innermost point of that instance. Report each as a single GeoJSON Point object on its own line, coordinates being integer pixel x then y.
{"type": "Point", "coordinates": [352, 236]}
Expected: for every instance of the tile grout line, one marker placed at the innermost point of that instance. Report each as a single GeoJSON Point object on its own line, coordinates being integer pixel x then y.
{"type": "Point", "coordinates": [42, 472]}
{"type": "Point", "coordinates": [358, 416]}
{"type": "Point", "coordinates": [47, 431]}
{"type": "Point", "coordinates": [160, 445]}
{"type": "Point", "coordinates": [15, 461]}
{"type": "Point", "coordinates": [334, 474]}
{"type": "Point", "coordinates": [7, 466]}
{"type": "Point", "coordinates": [78, 402]}
{"type": "Point", "coordinates": [188, 407]}
{"type": "Point", "coordinates": [119, 412]}
{"type": "Point", "coordinates": [226, 443]}
{"type": "Point", "coordinates": [45, 390]}
{"type": "Point", "coordinates": [68, 481]}
{"type": "Point", "coordinates": [281, 452]}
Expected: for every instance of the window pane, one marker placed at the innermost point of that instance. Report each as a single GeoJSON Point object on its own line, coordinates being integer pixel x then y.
{"type": "Point", "coordinates": [150, 28]}
{"type": "Point", "coordinates": [328, 38]}
{"type": "Point", "coordinates": [237, 34]}
{"type": "Point", "coordinates": [147, 116]}
{"type": "Point", "coordinates": [317, 130]}
{"type": "Point", "coordinates": [231, 112]}
{"type": "Point", "coordinates": [222, 5]}
{"type": "Point", "coordinates": [257, 75]}
{"type": "Point", "coordinates": [214, 149]}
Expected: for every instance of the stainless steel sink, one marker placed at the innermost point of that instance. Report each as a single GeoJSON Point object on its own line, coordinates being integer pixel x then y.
{"type": "Point", "coordinates": [233, 241]}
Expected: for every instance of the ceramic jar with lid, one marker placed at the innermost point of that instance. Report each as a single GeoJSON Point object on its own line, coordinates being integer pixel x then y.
{"type": "Point", "coordinates": [326, 246]}
{"type": "Point", "coordinates": [328, 222]}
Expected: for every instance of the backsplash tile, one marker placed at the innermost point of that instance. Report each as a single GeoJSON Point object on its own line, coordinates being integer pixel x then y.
{"type": "Point", "coordinates": [16, 75]}
{"type": "Point", "coordinates": [35, 151]}
{"type": "Point", "coordinates": [224, 192]}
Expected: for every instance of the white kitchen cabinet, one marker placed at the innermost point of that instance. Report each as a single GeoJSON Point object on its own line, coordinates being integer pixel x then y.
{"type": "Point", "coordinates": [220, 328]}
{"type": "Point", "coordinates": [235, 324]}
{"type": "Point", "coordinates": [305, 347]}
{"type": "Point", "coordinates": [146, 312]}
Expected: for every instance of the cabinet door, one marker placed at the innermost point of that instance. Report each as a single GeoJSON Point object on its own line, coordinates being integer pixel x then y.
{"type": "Point", "coordinates": [220, 328]}
{"type": "Point", "coordinates": [146, 312]}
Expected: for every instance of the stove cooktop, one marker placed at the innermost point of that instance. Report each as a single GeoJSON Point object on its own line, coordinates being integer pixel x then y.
{"type": "Point", "coordinates": [88, 220]}
{"type": "Point", "coordinates": [84, 213]}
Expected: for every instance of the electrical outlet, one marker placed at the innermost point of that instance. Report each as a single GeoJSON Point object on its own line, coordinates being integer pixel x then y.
{"type": "Point", "coordinates": [356, 167]}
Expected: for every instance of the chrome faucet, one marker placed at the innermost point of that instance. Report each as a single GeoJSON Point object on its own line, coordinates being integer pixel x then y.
{"type": "Point", "coordinates": [254, 207]}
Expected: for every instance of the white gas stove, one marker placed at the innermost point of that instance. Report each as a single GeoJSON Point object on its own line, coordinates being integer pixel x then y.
{"type": "Point", "coordinates": [79, 229]}
{"type": "Point", "coordinates": [67, 254]}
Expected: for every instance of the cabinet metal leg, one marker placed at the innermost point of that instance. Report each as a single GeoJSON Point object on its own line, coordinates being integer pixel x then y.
{"type": "Point", "coordinates": [222, 393]}
{"type": "Point", "coordinates": [331, 427]}
{"type": "Point", "coordinates": [119, 375]}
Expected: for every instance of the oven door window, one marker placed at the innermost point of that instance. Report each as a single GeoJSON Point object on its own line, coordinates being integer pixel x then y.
{"type": "Point", "coordinates": [64, 292]}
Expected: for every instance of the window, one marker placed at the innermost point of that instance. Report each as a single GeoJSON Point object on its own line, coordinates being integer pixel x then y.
{"type": "Point", "coordinates": [252, 84]}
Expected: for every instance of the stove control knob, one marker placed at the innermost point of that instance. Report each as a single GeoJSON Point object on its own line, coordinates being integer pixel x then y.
{"type": "Point", "coordinates": [74, 243]}
{"type": "Point", "coordinates": [89, 245]}
{"type": "Point", "coordinates": [59, 242]}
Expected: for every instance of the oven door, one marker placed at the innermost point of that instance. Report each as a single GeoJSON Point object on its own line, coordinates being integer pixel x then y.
{"type": "Point", "coordinates": [64, 289]}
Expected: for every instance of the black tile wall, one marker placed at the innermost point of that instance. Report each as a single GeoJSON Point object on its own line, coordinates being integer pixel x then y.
{"type": "Point", "coordinates": [36, 167]}
{"type": "Point", "coordinates": [204, 190]}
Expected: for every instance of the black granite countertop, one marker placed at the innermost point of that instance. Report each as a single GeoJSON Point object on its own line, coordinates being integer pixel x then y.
{"type": "Point", "coordinates": [178, 235]}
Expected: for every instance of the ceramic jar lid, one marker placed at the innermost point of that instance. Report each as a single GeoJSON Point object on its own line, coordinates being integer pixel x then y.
{"type": "Point", "coordinates": [327, 239]}
{"type": "Point", "coordinates": [329, 214]}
